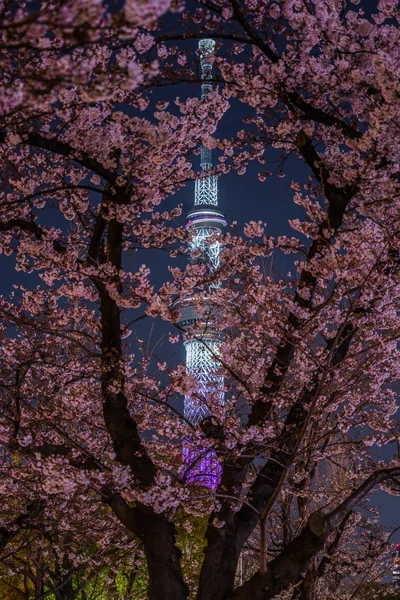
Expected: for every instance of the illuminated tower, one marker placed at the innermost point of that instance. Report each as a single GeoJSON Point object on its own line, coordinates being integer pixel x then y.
{"type": "Point", "coordinates": [396, 566]}
{"type": "Point", "coordinates": [197, 316]}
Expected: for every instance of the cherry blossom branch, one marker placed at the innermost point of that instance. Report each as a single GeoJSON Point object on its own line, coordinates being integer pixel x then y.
{"type": "Point", "coordinates": [31, 227]}
{"type": "Point", "coordinates": [291, 98]}
{"type": "Point", "coordinates": [287, 568]}
{"type": "Point", "coordinates": [64, 149]}
{"type": "Point", "coordinates": [24, 321]}
{"type": "Point", "coordinates": [355, 498]}
{"type": "Point", "coordinates": [33, 510]}
{"type": "Point", "coordinates": [48, 191]}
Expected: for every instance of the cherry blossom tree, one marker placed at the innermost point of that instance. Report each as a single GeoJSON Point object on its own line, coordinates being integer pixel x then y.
{"type": "Point", "coordinates": [91, 425]}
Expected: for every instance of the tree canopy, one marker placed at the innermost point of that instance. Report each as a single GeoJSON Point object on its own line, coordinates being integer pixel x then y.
{"type": "Point", "coordinates": [91, 421]}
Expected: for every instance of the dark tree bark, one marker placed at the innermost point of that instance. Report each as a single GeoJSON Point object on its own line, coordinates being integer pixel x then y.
{"type": "Point", "coordinates": [153, 529]}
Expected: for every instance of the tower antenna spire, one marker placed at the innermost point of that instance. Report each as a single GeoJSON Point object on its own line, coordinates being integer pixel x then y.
{"type": "Point", "coordinates": [206, 51]}
{"type": "Point", "coordinates": [206, 187]}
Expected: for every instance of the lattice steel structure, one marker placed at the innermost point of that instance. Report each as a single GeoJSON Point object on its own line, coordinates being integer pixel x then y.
{"type": "Point", "coordinates": [204, 337]}
{"type": "Point", "coordinates": [201, 362]}
{"type": "Point", "coordinates": [206, 186]}
{"type": "Point", "coordinates": [396, 566]}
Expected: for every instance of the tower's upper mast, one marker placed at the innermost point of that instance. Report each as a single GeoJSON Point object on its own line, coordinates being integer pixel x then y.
{"type": "Point", "coordinates": [206, 187]}
{"type": "Point", "coordinates": [205, 215]}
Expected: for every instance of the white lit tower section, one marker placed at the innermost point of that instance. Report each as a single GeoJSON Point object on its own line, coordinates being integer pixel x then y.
{"type": "Point", "coordinates": [396, 566]}
{"type": "Point", "coordinates": [204, 339]}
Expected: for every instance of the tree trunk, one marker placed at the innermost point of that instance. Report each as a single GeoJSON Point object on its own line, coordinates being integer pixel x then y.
{"type": "Point", "coordinates": [220, 563]}
{"type": "Point", "coordinates": [163, 557]}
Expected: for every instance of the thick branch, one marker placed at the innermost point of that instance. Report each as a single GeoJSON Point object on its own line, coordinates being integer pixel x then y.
{"type": "Point", "coordinates": [47, 449]}
{"type": "Point", "coordinates": [286, 569]}
{"type": "Point", "coordinates": [33, 511]}
{"type": "Point", "coordinates": [153, 529]}
{"type": "Point", "coordinates": [158, 537]}
{"type": "Point", "coordinates": [120, 424]}
{"type": "Point", "coordinates": [333, 545]}
{"type": "Point", "coordinates": [63, 149]}
{"type": "Point", "coordinates": [338, 200]}
{"type": "Point", "coordinates": [337, 515]}
{"type": "Point", "coordinates": [30, 227]}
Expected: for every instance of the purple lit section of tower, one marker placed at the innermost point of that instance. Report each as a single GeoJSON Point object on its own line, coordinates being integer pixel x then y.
{"type": "Point", "coordinates": [204, 336]}
{"type": "Point", "coordinates": [202, 468]}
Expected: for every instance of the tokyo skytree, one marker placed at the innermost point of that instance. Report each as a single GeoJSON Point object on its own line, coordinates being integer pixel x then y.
{"type": "Point", "coordinates": [204, 337]}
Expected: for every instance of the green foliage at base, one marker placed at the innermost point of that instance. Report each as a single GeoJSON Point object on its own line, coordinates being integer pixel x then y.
{"type": "Point", "coordinates": [191, 539]}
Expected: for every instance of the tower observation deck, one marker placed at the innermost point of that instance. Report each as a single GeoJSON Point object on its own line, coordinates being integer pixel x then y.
{"type": "Point", "coordinates": [197, 316]}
